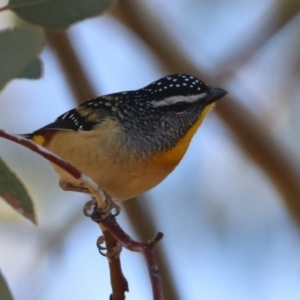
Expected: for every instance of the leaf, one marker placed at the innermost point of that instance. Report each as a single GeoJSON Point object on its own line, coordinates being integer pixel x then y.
{"type": "Point", "coordinates": [33, 71]}
{"type": "Point", "coordinates": [18, 50]}
{"type": "Point", "coordinates": [14, 192]}
{"type": "Point", "coordinates": [58, 14]}
{"type": "Point", "coordinates": [4, 290]}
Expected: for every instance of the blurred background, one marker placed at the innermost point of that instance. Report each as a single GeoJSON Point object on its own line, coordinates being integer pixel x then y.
{"type": "Point", "coordinates": [230, 212]}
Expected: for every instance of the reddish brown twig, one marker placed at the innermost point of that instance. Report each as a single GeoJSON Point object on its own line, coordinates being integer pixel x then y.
{"type": "Point", "coordinates": [4, 8]}
{"type": "Point", "coordinates": [147, 249]}
{"type": "Point", "coordinates": [112, 252]}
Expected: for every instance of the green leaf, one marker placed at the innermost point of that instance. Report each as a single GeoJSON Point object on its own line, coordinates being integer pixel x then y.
{"type": "Point", "coordinates": [33, 71]}
{"type": "Point", "coordinates": [4, 290]}
{"type": "Point", "coordinates": [18, 50]}
{"type": "Point", "coordinates": [58, 14]}
{"type": "Point", "coordinates": [14, 193]}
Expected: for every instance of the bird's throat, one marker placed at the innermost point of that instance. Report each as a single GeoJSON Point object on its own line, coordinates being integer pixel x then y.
{"type": "Point", "coordinates": [174, 155]}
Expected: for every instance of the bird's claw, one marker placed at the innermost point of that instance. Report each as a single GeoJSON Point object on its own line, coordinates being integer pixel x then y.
{"type": "Point", "coordinates": [111, 253]}
{"type": "Point", "coordinates": [92, 211]}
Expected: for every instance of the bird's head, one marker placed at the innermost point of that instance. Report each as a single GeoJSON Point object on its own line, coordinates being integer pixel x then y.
{"type": "Point", "coordinates": [157, 116]}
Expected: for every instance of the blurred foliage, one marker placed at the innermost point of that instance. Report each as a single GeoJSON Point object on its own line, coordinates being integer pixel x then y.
{"type": "Point", "coordinates": [33, 71]}
{"type": "Point", "coordinates": [58, 14]}
{"type": "Point", "coordinates": [18, 50]}
{"type": "Point", "coordinates": [14, 193]}
{"type": "Point", "coordinates": [4, 291]}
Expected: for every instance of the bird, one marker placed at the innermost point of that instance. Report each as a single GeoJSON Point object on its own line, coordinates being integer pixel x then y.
{"type": "Point", "coordinates": [128, 142]}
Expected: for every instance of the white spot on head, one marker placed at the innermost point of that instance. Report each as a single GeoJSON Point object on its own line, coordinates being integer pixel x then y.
{"type": "Point", "coordinates": [178, 85]}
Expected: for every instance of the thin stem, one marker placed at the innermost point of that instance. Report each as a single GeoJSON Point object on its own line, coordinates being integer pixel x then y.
{"type": "Point", "coordinates": [118, 281]}
{"type": "Point", "coordinates": [7, 7]}
{"type": "Point", "coordinates": [147, 249]}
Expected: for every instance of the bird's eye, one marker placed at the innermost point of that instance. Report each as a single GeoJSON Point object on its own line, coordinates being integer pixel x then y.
{"type": "Point", "coordinates": [179, 107]}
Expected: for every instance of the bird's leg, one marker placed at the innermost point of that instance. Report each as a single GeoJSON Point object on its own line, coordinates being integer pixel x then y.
{"type": "Point", "coordinates": [67, 186]}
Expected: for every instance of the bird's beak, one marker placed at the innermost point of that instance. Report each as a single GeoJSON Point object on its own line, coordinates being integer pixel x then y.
{"type": "Point", "coordinates": [214, 94]}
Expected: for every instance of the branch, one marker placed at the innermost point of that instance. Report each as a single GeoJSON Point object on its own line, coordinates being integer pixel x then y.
{"type": "Point", "coordinates": [113, 249]}
{"type": "Point", "coordinates": [147, 249]}
{"type": "Point", "coordinates": [6, 7]}
{"type": "Point", "coordinates": [141, 216]}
